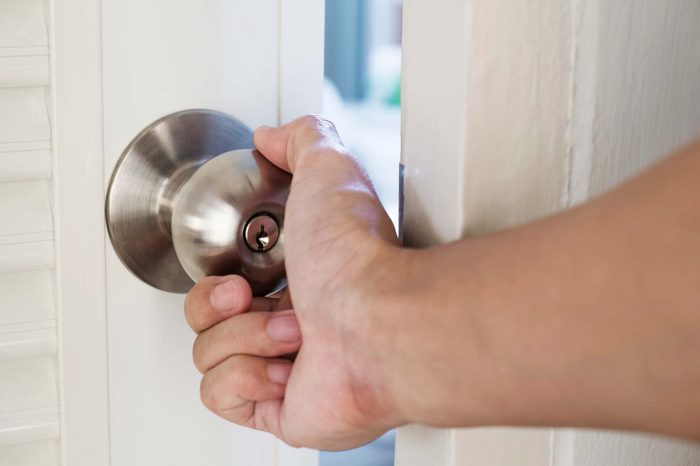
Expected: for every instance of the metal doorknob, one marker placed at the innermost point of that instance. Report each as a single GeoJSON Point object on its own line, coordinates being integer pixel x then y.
{"type": "Point", "coordinates": [189, 198]}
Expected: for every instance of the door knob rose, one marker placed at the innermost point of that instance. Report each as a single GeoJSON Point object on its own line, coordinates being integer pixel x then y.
{"type": "Point", "coordinates": [190, 198]}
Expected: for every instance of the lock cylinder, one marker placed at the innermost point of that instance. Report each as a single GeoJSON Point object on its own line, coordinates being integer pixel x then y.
{"type": "Point", "coordinates": [261, 232]}
{"type": "Point", "coordinates": [227, 220]}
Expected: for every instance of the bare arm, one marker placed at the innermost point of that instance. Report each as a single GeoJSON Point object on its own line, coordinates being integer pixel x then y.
{"type": "Point", "coordinates": [588, 318]}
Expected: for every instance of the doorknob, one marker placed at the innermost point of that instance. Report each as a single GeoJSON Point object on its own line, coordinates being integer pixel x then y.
{"type": "Point", "coordinates": [190, 198]}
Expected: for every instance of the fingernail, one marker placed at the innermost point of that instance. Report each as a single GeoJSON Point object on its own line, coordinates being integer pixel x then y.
{"type": "Point", "coordinates": [224, 296]}
{"type": "Point", "coordinates": [284, 328]}
{"type": "Point", "coordinates": [278, 372]}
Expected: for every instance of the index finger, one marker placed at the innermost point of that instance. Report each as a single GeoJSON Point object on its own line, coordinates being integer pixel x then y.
{"type": "Point", "coordinates": [215, 299]}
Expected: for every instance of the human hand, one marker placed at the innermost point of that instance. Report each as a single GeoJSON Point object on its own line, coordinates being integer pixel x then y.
{"type": "Point", "coordinates": [338, 241]}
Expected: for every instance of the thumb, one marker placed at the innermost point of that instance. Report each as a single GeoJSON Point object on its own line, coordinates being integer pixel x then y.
{"type": "Point", "coordinates": [272, 143]}
{"type": "Point", "coordinates": [286, 145]}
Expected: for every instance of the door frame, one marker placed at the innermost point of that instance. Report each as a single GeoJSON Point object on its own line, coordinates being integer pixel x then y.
{"type": "Point", "coordinates": [534, 113]}
{"type": "Point", "coordinates": [78, 157]}
{"type": "Point", "coordinates": [76, 103]}
{"type": "Point", "coordinates": [479, 121]}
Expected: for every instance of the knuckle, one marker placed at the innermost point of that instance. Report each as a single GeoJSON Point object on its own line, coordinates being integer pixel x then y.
{"type": "Point", "coordinates": [207, 395]}
{"type": "Point", "coordinates": [310, 120]}
{"type": "Point", "coordinates": [247, 377]}
{"type": "Point", "coordinates": [238, 374]}
{"type": "Point", "coordinates": [216, 393]}
{"type": "Point", "coordinates": [194, 320]}
{"type": "Point", "coordinates": [231, 380]}
{"type": "Point", "coordinates": [189, 307]}
{"type": "Point", "coordinates": [233, 365]}
{"type": "Point", "coordinates": [294, 441]}
{"type": "Point", "coordinates": [194, 302]}
{"type": "Point", "coordinates": [316, 123]}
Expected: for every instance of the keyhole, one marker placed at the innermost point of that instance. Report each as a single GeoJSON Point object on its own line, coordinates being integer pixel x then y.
{"type": "Point", "coordinates": [261, 233]}
{"type": "Point", "coordinates": [262, 239]}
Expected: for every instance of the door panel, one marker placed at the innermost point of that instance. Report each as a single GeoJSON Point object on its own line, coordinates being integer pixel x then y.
{"type": "Point", "coordinates": [117, 67]}
{"type": "Point", "coordinates": [158, 57]}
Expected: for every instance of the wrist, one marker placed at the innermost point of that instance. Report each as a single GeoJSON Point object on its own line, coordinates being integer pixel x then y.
{"type": "Point", "coordinates": [368, 333]}
{"type": "Point", "coordinates": [430, 328]}
{"type": "Point", "coordinates": [420, 332]}
{"type": "Point", "coordinates": [399, 331]}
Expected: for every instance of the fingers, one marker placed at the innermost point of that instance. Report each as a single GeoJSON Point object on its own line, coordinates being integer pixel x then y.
{"type": "Point", "coordinates": [240, 383]}
{"type": "Point", "coordinates": [281, 300]}
{"type": "Point", "coordinates": [261, 415]}
{"type": "Point", "coordinates": [283, 145]}
{"type": "Point", "coordinates": [254, 333]}
{"type": "Point", "coordinates": [230, 388]}
{"type": "Point", "coordinates": [215, 299]}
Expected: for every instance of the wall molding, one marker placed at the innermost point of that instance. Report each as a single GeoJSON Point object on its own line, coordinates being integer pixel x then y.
{"type": "Point", "coordinates": [76, 109]}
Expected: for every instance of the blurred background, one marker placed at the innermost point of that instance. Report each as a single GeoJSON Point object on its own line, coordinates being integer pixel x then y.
{"type": "Point", "coordinates": [363, 86]}
{"type": "Point", "coordinates": [362, 96]}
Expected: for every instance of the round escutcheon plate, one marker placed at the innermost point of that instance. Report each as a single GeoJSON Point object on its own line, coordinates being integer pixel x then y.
{"type": "Point", "coordinates": [146, 181]}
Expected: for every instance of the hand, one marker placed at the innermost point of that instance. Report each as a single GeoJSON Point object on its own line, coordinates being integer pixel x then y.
{"type": "Point", "coordinates": [338, 239]}
{"type": "Point", "coordinates": [516, 328]}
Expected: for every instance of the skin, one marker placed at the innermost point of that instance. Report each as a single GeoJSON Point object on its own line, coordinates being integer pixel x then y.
{"type": "Point", "coordinates": [589, 318]}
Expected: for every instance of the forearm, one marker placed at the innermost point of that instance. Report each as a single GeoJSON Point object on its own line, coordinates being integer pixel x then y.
{"type": "Point", "coordinates": [588, 318]}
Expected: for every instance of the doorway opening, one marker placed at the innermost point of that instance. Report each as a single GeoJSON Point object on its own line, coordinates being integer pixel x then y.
{"type": "Point", "coordinates": [362, 96]}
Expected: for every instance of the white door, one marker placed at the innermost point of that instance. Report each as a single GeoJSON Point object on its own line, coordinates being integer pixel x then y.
{"type": "Point", "coordinates": [95, 367]}
{"type": "Point", "coordinates": [259, 61]}
{"type": "Point", "coordinates": [514, 110]}
{"type": "Point", "coordinates": [160, 56]}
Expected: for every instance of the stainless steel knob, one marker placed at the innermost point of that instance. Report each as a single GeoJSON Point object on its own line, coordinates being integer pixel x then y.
{"type": "Point", "coordinates": [190, 198]}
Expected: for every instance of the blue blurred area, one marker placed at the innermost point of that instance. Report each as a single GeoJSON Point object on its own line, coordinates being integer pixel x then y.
{"type": "Point", "coordinates": [347, 46]}
{"type": "Point", "coordinates": [377, 453]}
{"type": "Point", "coordinates": [363, 82]}
{"type": "Point", "coordinates": [361, 36]}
